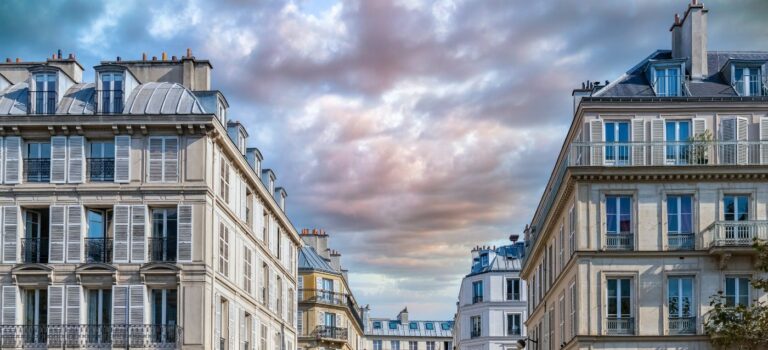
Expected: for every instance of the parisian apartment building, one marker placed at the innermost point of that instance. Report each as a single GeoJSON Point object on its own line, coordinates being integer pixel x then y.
{"type": "Point", "coordinates": [654, 201]}
{"type": "Point", "coordinates": [329, 317]}
{"type": "Point", "coordinates": [402, 333]}
{"type": "Point", "coordinates": [492, 307]}
{"type": "Point", "coordinates": [134, 215]}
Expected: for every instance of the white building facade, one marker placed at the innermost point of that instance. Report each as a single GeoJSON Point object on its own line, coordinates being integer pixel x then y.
{"type": "Point", "coordinates": [402, 333]}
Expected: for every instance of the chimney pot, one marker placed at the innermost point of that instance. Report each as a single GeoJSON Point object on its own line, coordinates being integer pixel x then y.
{"type": "Point", "coordinates": [118, 59]}
{"type": "Point", "coordinates": [18, 60]}
{"type": "Point", "coordinates": [143, 56]}
{"type": "Point", "coordinates": [173, 58]}
{"type": "Point", "coordinates": [53, 56]}
{"type": "Point", "coordinates": [165, 56]}
{"type": "Point", "coordinates": [7, 60]}
{"type": "Point", "coordinates": [71, 56]}
{"type": "Point", "coordinates": [58, 54]}
{"type": "Point", "coordinates": [154, 58]}
{"type": "Point", "coordinates": [189, 53]}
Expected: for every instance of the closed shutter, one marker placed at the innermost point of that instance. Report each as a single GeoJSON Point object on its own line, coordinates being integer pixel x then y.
{"type": "Point", "coordinates": [74, 299]}
{"type": "Point", "coordinates": [261, 281]}
{"type": "Point", "coordinates": [56, 234]}
{"type": "Point", "coordinates": [638, 138]}
{"type": "Point", "coordinates": [136, 304]}
{"type": "Point", "coordinates": [272, 291]}
{"type": "Point", "coordinates": [12, 159]}
{"type": "Point", "coordinates": [123, 159]}
{"type": "Point", "coordinates": [9, 305]}
{"type": "Point", "coordinates": [10, 239]}
{"type": "Point", "coordinates": [727, 151]}
{"type": "Point", "coordinates": [243, 199]}
{"type": "Point", "coordinates": [596, 142]}
{"type": "Point", "coordinates": [55, 305]}
{"type": "Point", "coordinates": [241, 334]}
{"type": "Point", "coordinates": [231, 328]}
{"type": "Point", "coordinates": [300, 288]}
{"type": "Point", "coordinates": [657, 141]}
{"type": "Point", "coordinates": [138, 236]}
{"type": "Point", "coordinates": [171, 160]}
{"type": "Point", "coordinates": [699, 126]}
{"type": "Point", "coordinates": [119, 305]}
{"type": "Point", "coordinates": [273, 235]}
{"type": "Point", "coordinates": [76, 155]}
{"type": "Point", "coordinates": [74, 233]}
{"type": "Point", "coordinates": [2, 159]}
{"type": "Point", "coordinates": [155, 167]}
{"type": "Point", "coordinates": [254, 333]}
{"type": "Point", "coordinates": [121, 230]}
{"type": "Point", "coordinates": [258, 217]}
{"type": "Point", "coordinates": [217, 323]}
{"type": "Point", "coordinates": [742, 136]}
{"type": "Point", "coordinates": [764, 140]}
{"type": "Point", "coordinates": [58, 159]}
{"type": "Point", "coordinates": [184, 240]}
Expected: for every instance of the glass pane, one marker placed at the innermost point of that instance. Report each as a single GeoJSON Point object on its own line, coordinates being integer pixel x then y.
{"type": "Point", "coordinates": [670, 131]}
{"type": "Point", "coordinates": [170, 307]}
{"type": "Point", "coordinates": [743, 208]}
{"type": "Point", "coordinates": [728, 208]}
{"type": "Point", "coordinates": [684, 131]}
{"type": "Point", "coordinates": [610, 132]}
{"type": "Point", "coordinates": [95, 224]}
{"type": "Point", "coordinates": [625, 288]}
{"type": "Point", "coordinates": [106, 306]}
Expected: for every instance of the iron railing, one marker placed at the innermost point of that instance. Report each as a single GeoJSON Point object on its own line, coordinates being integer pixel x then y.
{"type": "Point", "coordinates": [668, 153]}
{"type": "Point", "coordinates": [682, 325]}
{"type": "Point", "coordinates": [162, 249]}
{"type": "Point", "coordinates": [669, 85]}
{"type": "Point", "coordinates": [109, 101]}
{"type": "Point", "coordinates": [624, 325]}
{"type": "Point", "coordinates": [474, 332]}
{"type": "Point", "coordinates": [322, 296]}
{"type": "Point", "coordinates": [330, 332]}
{"type": "Point", "coordinates": [685, 241]}
{"type": "Point", "coordinates": [43, 101]}
{"type": "Point", "coordinates": [98, 250]}
{"type": "Point", "coordinates": [756, 84]}
{"type": "Point", "coordinates": [477, 299]}
{"type": "Point", "coordinates": [149, 336]}
{"type": "Point", "coordinates": [34, 250]}
{"type": "Point", "coordinates": [736, 233]}
{"type": "Point", "coordinates": [37, 169]}
{"type": "Point", "coordinates": [620, 241]}
{"type": "Point", "coordinates": [101, 169]}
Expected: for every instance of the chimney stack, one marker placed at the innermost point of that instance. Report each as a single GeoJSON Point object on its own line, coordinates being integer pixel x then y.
{"type": "Point", "coordinates": [165, 56]}
{"type": "Point", "coordinates": [143, 56]}
{"type": "Point", "coordinates": [403, 316]}
{"type": "Point", "coordinates": [689, 39]}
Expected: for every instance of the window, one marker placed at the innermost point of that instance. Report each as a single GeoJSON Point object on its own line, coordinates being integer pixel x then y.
{"type": "Point", "coordinates": [678, 134]}
{"type": "Point", "coordinates": [249, 207]}
{"type": "Point", "coordinates": [265, 284]}
{"type": "Point", "coordinates": [45, 93]}
{"type": "Point", "coordinates": [680, 221]}
{"type": "Point", "coordinates": [35, 242]}
{"type": "Point", "coordinates": [513, 289]}
{"type": "Point", "coordinates": [445, 326]}
{"type": "Point", "coordinates": [429, 326]}
{"type": "Point", "coordinates": [618, 212]}
{"type": "Point", "coordinates": [447, 345]}
{"type": "Point", "coordinates": [36, 311]}
{"type": "Point", "coordinates": [98, 245]}
{"type": "Point", "coordinates": [247, 327]}
{"type": "Point", "coordinates": [38, 162]}
{"type": "Point", "coordinates": [572, 291]}
{"type": "Point", "coordinates": [377, 325]}
{"type": "Point", "coordinates": [616, 142]}
{"type": "Point", "coordinates": [111, 93]}
{"type": "Point", "coordinates": [99, 313]}
{"type": "Point", "coordinates": [392, 324]}
{"type": "Point", "coordinates": [513, 324]}
{"type": "Point", "coordinates": [560, 243]}
{"type": "Point", "coordinates": [224, 250]}
{"type": "Point", "coordinates": [476, 329]}
{"type": "Point", "coordinates": [737, 291]}
{"type": "Point", "coordinates": [265, 229]}
{"type": "Point", "coordinates": [619, 298]}
{"type": "Point", "coordinates": [162, 245]}
{"type": "Point", "coordinates": [163, 159]}
{"type": "Point", "coordinates": [680, 297]}
{"type": "Point", "coordinates": [413, 326]}
{"type": "Point", "coordinates": [748, 81]}
{"type": "Point", "coordinates": [247, 266]}
{"type": "Point", "coordinates": [395, 344]}
{"type": "Point", "coordinates": [736, 207]}
{"type": "Point", "coordinates": [164, 310]}
{"type": "Point", "coordinates": [430, 345]}
{"type": "Point", "coordinates": [668, 81]}
{"type": "Point", "coordinates": [101, 161]}
{"type": "Point", "coordinates": [477, 292]}
{"type": "Point", "coordinates": [224, 180]}
{"type": "Point", "coordinates": [412, 345]}
{"type": "Point", "coordinates": [484, 259]}
{"type": "Point", "coordinates": [561, 307]}
{"type": "Point", "coordinates": [263, 336]}
{"type": "Point", "coordinates": [572, 231]}
{"type": "Point", "coordinates": [279, 287]}
{"type": "Point", "coordinates": [377, 345]}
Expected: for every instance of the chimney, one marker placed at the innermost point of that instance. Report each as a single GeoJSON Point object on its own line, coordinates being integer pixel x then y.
{"type": "Point", "coordinates": [164, 56]}
{"type": "Point", "coordinates": [335, 260]}
{"type": "Point", "coordinates": [403, 316]}
{"type": "Point", "coordinates": [689, 39]}
{"type": "Point", "coordinates": [196, 74]}
{"type": "Point", "coordinates": [317, 239]}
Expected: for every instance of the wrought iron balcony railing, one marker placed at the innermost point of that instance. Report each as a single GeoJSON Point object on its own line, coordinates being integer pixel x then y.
{"type": "Point", "coordinates": [668, 153]}
{"type": "Point", "coordinates": [34, 250]}
{"type": "Point", "coordinates": [109, 101]}
{"type": "Point", "coordinates": [682, 325]}
{"type": "Point", "coordinates": [82, 336]}
{"type": "Point", "coordinates": [162, 249]}
{"type": "Point", "coordinates": [477, 299]}
{"type": "Point", "coordinates": [43, 101]}
{"type": "Point", "coordinates": [619, 241]}
{"type": "Point", "coordinates": [474, 333]}
{"type": "Point", "coordinates": [322, 296]}
{"type": "Point", "coordinates": [330, 332]}
{"type": "Point", "coordinates": [101, 169]}
{"type": "Point", "coordinates": [37, 169]}
{"type": "Point", "coordinates": [98, 250]}
{"type": "Point", "coordinates": [685, 241]}
{"type": "Point", "coordinates": [736, 233]}
{"type": "Point", "coordinates": [624, 325]}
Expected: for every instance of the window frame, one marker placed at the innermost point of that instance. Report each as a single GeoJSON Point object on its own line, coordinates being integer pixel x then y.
{"type": "Point", "coordinates": [507, 324]}
{"type": "Point", "coordinates": [224, 235]}
{"type": "Point", "coordinates": [736, 296]}
{"type": "Point", "coordinates": [516, 283]}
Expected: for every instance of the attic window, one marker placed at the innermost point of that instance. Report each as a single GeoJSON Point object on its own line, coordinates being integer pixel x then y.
{"type": "Point", "coordinates": [429, 326]}
{"type": "Point", "coordinates": [413, 325]}
{"type": "Point", "coordinates": [44, 94]}
{"type": "Point", "coordinates": [377, 325]}
{"type": "Point", "coordinates": [392, 324]}
{"type": "Point", "coordinates": [484, 259]}
{"type": "Point", "coordinates": [748, 81]}
{"type": "Point", "coordinates": [667, 81]}
{"type": "Point", "coordinates": [445, 326]}
{"type": "Point", "coordinates": [111, 93]}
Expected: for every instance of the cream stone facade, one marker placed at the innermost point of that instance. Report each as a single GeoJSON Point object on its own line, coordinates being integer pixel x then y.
{"type": "Point", "coordinates": [654, 201]}
{"type": "Point", "coordinates": [135, 216]}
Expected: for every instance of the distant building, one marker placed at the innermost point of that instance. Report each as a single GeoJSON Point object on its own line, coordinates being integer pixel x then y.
{"type": "Point", "coordinates": [328, 316]}
{"type": "Point", "coordinates": [492, 305]}
{"type": "Point", "coordinates": [402, 333]}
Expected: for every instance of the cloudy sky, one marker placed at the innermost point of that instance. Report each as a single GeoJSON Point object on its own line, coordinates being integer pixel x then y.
{"type": "Point", "coordinates": [411, 130]}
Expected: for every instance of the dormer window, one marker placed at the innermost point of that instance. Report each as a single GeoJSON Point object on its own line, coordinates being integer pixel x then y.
{"type": "Point", "coordinates": [748, 81]}
{"type": "Point", "coordinates": [667, 81]}
{"type": "Point", "coordinates": [111, 93]}
{"type": "Point", "coordinates": [45, 93]}
{"type": "Point", "coordinates": [484, 259]}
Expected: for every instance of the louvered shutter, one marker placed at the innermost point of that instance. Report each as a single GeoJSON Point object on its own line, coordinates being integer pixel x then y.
{"type": "Point", "coordinates": [2, 160]}
{"type": "Point", "coordinates": [742, 136]}
{"type": "Point", "coordinates": [123, 159]}
{"type": "Point", "coordinates": [58, 159]}
{"type": "Point", "coordinates": [638, 140]}
{"type": "Point", "coordinates": [138, 236]}
{"type": "Point", "coordinates": [764, 140]}
{"type": "Point", "coordinates": [597, 142]}
{"type": "Point", "coordinates": [699, 126]}
{"type": "Point", "coordinates": [76, 157]}
{"type": "Point", "coordinates": [243, 199]}
{"type": "Point", "coordinates": [231, 328]}
{"type": "Point", "coordinates": [74, 233]}
{"type": "Point", "coordinates": [273, 235]}
{"type": "Point", "coordinates": [184, 240]}
{"type": "Point", "coordinates": [119, 305]}
{"type": "Point", "coordinates": [241, 333]}
{"type": "Point", "coordinates": [171, 160]}
{"type": "Point", "coordinates": [272, 291]}
{"type": "Point", "coordinates": [73, 301]}
{"type": "Point", "coordinates": [56, 239]}
{"type": "Point", "coordinates": [10, 234]}
{"type": "Point", "coordinates": [321, 318]}
{"type": "Point", "coordinates": [136, 304]}
{"type": "Point", "coordinates": [155, 167]}
{"type": "Point", "coordinates": [657, 141]}
{"type": "Point", "coordinates": [12, 159]}
{"type": "Point", "coordinates": [258, 220]}
{"type": "Point", "coordinates": [9, 305]}
{"type": "Point", "coordinates": [217, 322]}
{"type": "Point", "coordinates": [727, 151]}
{"type": "Point", "coordinates": [261, 281]}
{"type": "Point", "coordinates": [254, 333]}
{"type": "Point", "coordinates": [56, 305]}
{"type": "Point", "coordinates": [121, 230]}
{"type": "Point", "coordinates": [300, 288]}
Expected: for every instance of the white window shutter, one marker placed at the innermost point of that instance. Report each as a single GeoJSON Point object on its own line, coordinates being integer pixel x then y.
{"type": "Point", "coordinates": [171, 160]}
{"type": "Point", "coordinates": [596, 142]}
{"type": "Point", "coordinates": [155, 167]}
{"type": "Point", "coordinates": [74, 234]}
{"type": "Point", "coordinates": [261, 281]}
{"type": "Point", "coordinates": [121, 231]}
{"type": "Point", "coordinates": [657, 139]}
{"type": "Point", "coordinates": [138, 237]}
{"type": "Point", "coordinates": [272, 291]}
{"type": "Point", "coordinates": [58, 159]}
{"type": "Point", "coordinates": [119, 305]}
{"type": "Point", "coordinates": [12, 159]}
{"type": "Point", "coordinates": [763, 140]}
{"type": "Point", "coordinates": [254, 333]}
{"type": "Point", "coordinates": [241, 334]}
{"type": "Point", "coordinates": [258, 219]}
{"type": "Point", "coordinates": [742, 135]}
{"type": "Point", "coordinates": [73, 302]}
{"type": "Point", "coordinates": [273, 234]}
{"type": "Point", "coordinates": [9, 305]}
{"type": "Point", "coordinates": [231, 328]}
{"type": "Point", "coordinates": [56, 305]}
{"type": "Point", "coordinates": [123, 158]}
{"type": "Point", "coordinates": [2, 159]}
{"type": "Point", "coordinates": [136, 302]}
{"type": "Point", "coordinates": [243, 199]}
{"type": "Point", "coordinates": [10, 239]}
{"type": "Point", "coordinates": [699, 126]}
{"type": "Point", "coordinates": [57, 232]}
{"type": "Point", "coordinates": [184, 232]}
{"type": "Point", "coordinates": [76, 155]}
{"type": "Point", "coordinates": [638, 137]}
{"type": "Point", "coordinates": [217, 322]}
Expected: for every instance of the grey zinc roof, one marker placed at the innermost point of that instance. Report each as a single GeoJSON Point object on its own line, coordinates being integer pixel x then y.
{"type": "Point", "coordinates": [505, 258]}
{"type": "Point", "coordinates": [14, 99]}
{"type": "Point", "coordinates": [79, 99]}
{"type": "Point", "coordinates": [310, 259]}
{"type": "Point", "coordinates": [162, 98]}
{"type": "Point", "coordinates": [404, 329]}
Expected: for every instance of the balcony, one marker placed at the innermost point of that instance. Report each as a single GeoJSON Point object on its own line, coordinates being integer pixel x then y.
{"type": "Point", "coordinates": [477, 299]}
{"type": "Point", "coordinates": [322, 296]}
{"type": "Point", "coordinates": [682, 153]}
{"type": "Point", "coordinates": [619, 241]}
{"type": "Point", "coordinates": [474, 333]}
{"type": "Point", "coordinates": [90, 336]}
{"type": "Point", "coordinates": [34, 250]}
{"type": "Point", "coordinates": [37, 169]}
{"type": "Point", "coordinates": [98, 250]}
{"type": "Point", "coordinates": [684, 241]}
{"type": "Point", "coordinates": [735, 236]}
{"type": "Point", "coordinates": [682, 325]}
{"type": "Point", "coordinates": [620, 326]}
{"type": "Point", "coordinates": [329, 332]}
{"type": "Point", "coordinates": [162, 249]}
{"type": "Point", "coordinates": [101, 169]}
